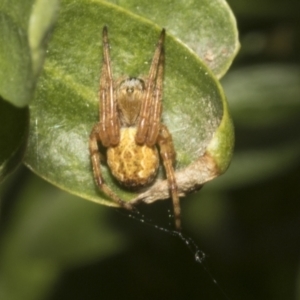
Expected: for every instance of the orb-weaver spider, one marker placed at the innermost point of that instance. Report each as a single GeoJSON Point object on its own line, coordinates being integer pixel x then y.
{"type": "Point", "coordinates": [130, 129]}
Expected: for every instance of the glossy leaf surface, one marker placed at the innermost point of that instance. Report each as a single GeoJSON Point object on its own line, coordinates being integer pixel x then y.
{"type": "Point", "coordinates": [66, 105]}
{"type": "Point", "coordinates": [208, 27]}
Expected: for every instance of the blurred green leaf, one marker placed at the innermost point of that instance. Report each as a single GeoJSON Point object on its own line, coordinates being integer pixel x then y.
{"type": "Point", "coordinates": [24, 27]}
{"type": "Point", "coordinates": [13, 136]}
{"type": "Point", "coordinates": [264, 102]}
{"type": "Point", "coordinates": [49, 231]}
{"type": "Point", "coordinates": [253, 166]}
{"type": "Point", "coordinates": [264, 96]}
{"type": "Point", "coordinates": [208, 27]}
{"type": "Point", "coordinates": [66, 106]}
{"type": "Point", "coordinates": [265, 9]}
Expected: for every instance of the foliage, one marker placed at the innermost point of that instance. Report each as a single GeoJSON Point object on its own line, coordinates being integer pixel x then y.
{"type": "Point", "coordinates": [247, 220]}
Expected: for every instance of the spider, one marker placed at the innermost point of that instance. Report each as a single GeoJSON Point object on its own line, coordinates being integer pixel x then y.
{"type": "Point", "coordinates": [130, 129]}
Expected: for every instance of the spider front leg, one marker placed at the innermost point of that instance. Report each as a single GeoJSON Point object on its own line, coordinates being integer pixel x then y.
{"type": "Point", "coordinates": [149, 118]}
{"type": "Point", "coordinates": [109, 126]}
{"type": "Point", "coordinates": [96, 160]}
{"type": "Point", "coordinates": [168, 156]}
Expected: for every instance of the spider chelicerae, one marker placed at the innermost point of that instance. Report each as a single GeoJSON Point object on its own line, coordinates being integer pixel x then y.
{"type": "Point", "coordinates": [130, 129]}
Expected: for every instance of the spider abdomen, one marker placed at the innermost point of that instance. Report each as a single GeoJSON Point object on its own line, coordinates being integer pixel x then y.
{"type": "Point", "coordinates": [131, 164]}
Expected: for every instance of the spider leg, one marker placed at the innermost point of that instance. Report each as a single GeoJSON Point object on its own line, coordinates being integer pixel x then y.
{"type": "Point", "coordinates": [144, 122]}
{"type": "Point", "coordinates": [96, 158]}
{"type": "Point", "coordinates": [156, 106]}
{"type": "Point", "coordinates": [109, 129]}
{"type": "Point", "coordinates": [168, 156]}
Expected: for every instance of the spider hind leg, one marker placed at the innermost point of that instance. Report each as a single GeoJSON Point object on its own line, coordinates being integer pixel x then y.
{"type": "Point", "coordinates": [168, 155]}
{"type": "Point", "coordinates": [96, 160]}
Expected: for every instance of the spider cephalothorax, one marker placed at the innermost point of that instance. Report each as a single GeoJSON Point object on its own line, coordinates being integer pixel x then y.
{"type": "Point", "coordinates": [129, 96]}
{"type": "Point", "coordinates": [130, 128]}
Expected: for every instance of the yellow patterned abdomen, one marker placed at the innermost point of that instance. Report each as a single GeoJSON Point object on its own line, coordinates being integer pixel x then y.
{"type": "Point", "coordinates": [131, 164]}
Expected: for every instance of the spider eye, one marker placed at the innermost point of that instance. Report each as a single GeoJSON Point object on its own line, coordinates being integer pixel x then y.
{"type": "Point", "coordinates": [131, 85]}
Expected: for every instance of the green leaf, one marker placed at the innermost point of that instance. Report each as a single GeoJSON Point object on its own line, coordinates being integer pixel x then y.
{"type": "Point", "coordinates": [208, 27]}
{"type": "Point", "coordinates": [50, 231]}
{"type": "Point", "coordinates": [264, 96]}
{"type": "Point", "coordinates": [13, 136]}
{"type": "Point", "coordinates": [264, 102]}
{"type": "Point", "coordinates": [24, 27]}
{"type": "Point", "coordinates": [66, 103]}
